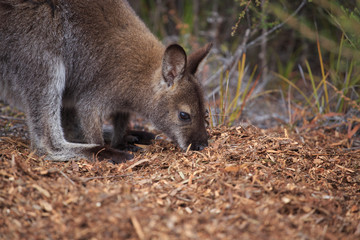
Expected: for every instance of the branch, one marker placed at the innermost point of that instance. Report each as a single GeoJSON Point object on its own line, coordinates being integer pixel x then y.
{"type": "Point", "coordinates": [231, 65]}
{"type": "Point", "coordinates": [258, 39]}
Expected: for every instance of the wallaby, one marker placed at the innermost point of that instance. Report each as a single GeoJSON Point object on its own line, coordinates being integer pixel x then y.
{"type": "Point", "coordinates": [96, 60]}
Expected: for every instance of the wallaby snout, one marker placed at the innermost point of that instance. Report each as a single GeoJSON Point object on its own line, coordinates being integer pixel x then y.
{"type": "Point", "coordinates": [201, 143]}
{"type": "Point", "coordinates": [199, 147]}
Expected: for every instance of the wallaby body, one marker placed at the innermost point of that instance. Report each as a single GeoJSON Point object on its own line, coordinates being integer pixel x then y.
{"type": "Point", "coordinates": [96, 59]}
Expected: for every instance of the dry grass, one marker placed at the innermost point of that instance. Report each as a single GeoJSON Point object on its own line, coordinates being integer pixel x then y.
{"type": "Point", "coordinates": [248, 184]}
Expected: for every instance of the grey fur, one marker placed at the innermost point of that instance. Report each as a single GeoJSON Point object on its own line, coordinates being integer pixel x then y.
{"type": "Point", "coordinates": [96, 60]}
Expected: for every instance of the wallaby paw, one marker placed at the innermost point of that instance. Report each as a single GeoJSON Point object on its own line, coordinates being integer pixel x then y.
{"type": "Point", "coordinates": [140, 137]}
{"type": "Point", "coordinates": [127, 147]}
{"type": "Point", "coordinates": [130, 139]}
{"type": "Point", "coordinates": [112, 155]}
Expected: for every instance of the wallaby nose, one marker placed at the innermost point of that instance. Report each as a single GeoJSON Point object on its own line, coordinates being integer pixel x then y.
{"type": "Point", "coordinates": [199, 147]}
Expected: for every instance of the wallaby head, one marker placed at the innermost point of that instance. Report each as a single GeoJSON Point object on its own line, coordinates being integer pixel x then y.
{"type": "Point", "coordinates": [180, 110]}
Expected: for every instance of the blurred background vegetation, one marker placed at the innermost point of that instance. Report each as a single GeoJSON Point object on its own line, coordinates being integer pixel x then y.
{"type": "Point", "coordinates": [273, 62]}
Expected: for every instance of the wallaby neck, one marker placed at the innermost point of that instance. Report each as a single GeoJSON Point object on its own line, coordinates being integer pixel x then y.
{"type": "Point", "coordinates": [139, 76]}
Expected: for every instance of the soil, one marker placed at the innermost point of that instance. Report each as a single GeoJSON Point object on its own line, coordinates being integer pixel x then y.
{"type": "Point", "coordinates": [248, 184]}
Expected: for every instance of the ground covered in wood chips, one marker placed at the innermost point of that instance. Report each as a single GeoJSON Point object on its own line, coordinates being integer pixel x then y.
{"type": "Point", "coordinates": [248, 184]}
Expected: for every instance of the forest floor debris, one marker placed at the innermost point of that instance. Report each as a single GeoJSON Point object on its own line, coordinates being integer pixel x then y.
{"type": "Point", "coordinates": [248, 184]}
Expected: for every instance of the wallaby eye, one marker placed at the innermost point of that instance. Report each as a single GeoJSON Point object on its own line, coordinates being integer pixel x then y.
{"type": "Point", "coordinates": [183, 116]}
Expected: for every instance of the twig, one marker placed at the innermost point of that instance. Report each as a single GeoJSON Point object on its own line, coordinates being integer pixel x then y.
{"type": "Point", "coordinates": [263, 45]}
{"type": "Point", "coordinates": [62, 173]}
{"type": "Point", "coordinates": [258, 39]}
{"type": "Point", "coordinates": [232, 62]}
{"type": "Point", "coordinates": [138, 163]}
{"type": "Point", "coordinates": [351, 102]}
{"type": "Point", "coordinates": [346, 169]}
{"type": "Point", "coordinates": [137, 227]}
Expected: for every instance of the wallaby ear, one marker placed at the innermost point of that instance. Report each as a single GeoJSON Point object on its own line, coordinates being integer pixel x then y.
{"type": "Point", "coordinates": [195, 58]}
{"type": "Point", "coordinates": [174, 64]}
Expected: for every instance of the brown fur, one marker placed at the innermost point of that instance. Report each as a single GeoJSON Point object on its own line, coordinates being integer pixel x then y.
{"type": "Point", "coordinates": [95, 60]}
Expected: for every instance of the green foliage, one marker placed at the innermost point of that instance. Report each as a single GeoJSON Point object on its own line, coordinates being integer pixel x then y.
{"type": "Point", "coordinates": [348, 21]}
{"type": "Point", "coordinates": [254, 13]}
{"type": "Point", "coordinates": [340, 68]}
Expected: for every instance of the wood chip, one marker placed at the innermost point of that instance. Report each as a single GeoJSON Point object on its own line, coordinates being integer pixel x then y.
{"type": "Point", "coordinates": [247, 184]}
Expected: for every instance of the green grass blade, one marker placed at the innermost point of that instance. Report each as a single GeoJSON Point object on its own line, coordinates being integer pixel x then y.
{"type": "Point", "coordinates": [327, 107]}
{"type": "Point", "coordinates": [313, 85]}
{"type": "Point", "coordinates": [346, 86]}
{"type": "Point", "coordinates": [222, 107]}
